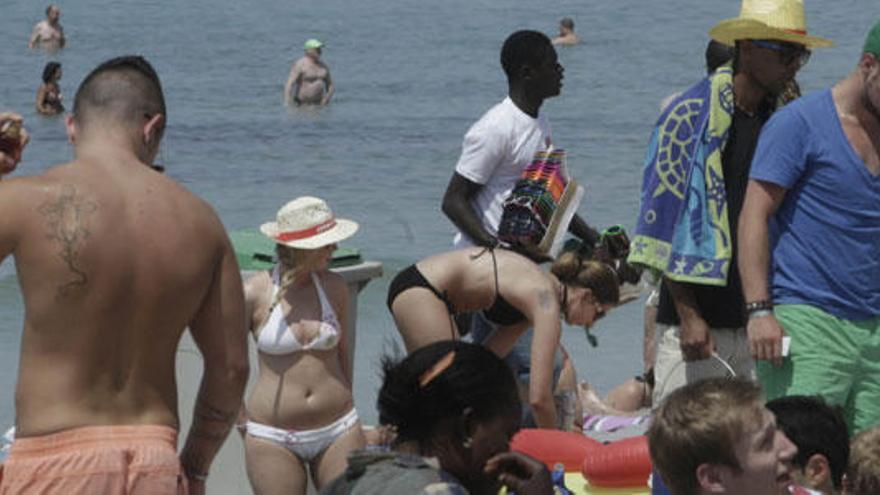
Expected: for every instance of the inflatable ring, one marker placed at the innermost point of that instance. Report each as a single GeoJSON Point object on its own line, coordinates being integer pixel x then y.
{"type": "Point", "coordinates": [591, 467]}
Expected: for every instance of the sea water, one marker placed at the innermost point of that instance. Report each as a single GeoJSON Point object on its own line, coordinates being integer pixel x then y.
{"type": "Point", "coordinates": [411, 77]}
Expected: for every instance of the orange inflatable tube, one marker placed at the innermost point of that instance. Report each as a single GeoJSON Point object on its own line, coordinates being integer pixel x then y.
{"type": "Point", "coordinates": [619, 464]}
{"type": "Point", "coordinates": [553, 447]}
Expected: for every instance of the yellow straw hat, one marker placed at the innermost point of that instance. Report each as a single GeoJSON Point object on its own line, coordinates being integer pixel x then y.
{"type": "Point", "coordinates": [782, 20]}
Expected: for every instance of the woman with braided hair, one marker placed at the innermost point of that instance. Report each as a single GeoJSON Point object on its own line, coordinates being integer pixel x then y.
{"type": "Point", "coordinates": [300, 414]}
{"type": "Point", "coordinates": [512, 292]}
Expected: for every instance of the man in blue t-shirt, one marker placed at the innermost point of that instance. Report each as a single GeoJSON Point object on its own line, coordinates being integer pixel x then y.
{"type": "Point", "coordinates": [812, 215]}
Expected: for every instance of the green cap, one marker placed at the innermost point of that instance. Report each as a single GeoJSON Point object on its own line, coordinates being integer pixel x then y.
{"type": "Point", "coordinates": [872, 43]}
{"type": "Point", "coordinates": [313, 44]}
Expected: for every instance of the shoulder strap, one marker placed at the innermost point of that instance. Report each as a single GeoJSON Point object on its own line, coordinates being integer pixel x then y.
{"type": "Point", "coordinates": [326, 307]}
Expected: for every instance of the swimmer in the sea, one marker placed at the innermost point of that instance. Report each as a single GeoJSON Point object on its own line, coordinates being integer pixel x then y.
{"type": "Point", "coordinates": [309, 82]}
{"type": "Point", "coordinates": [49, 93]}
{"type": "Point", "coordinates": [566, 33]}
{"type": "Point", "coordinates": [48, 33]}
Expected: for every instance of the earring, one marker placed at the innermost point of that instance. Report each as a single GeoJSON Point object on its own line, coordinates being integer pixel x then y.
{"type": "Point", "coordinates": [468, 443]}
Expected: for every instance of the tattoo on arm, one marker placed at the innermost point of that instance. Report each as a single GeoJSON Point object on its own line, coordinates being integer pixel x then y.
{"type": "Point", "coordinates": [545, 299]}
{"type": "Point", "coordinates": [67, 222]}
{"type": "Point", "coordinates": [206, 418]}
{"type": "Point", "coordinates": [207, 412]}
{"type": "Point", "coordinates": [209, 429]}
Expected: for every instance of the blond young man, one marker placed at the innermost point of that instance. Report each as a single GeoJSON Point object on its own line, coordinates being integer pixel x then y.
{"type": "Point", "coordinates": [716, 436]}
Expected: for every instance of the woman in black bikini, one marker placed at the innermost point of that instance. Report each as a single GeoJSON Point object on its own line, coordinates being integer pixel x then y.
{"type": "Point", "coordinates": [511, 291]}
{"type": "Point", "coordinates": [49, 94]}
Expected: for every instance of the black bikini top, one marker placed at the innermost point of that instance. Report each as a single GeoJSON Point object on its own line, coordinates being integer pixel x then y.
{"type": "Point", "coordinates": [501, 312]}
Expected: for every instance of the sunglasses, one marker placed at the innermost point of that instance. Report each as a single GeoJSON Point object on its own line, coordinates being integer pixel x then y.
{"type": "Point", "coordinates": [788, 52]}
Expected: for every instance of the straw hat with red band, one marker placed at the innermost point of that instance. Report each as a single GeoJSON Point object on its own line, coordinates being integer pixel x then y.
{"type": "Point", "coordinates": [782, 20]}
{"type": "Point", "coordinates": [308, 223]}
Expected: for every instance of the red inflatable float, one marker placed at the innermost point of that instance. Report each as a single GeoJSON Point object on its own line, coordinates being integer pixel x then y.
{"type": "Point", "coordinates": [553, 447]}
{"type": "Point", "coordinates": [624, 463]}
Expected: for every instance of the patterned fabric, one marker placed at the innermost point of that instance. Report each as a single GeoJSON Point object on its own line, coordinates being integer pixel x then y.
{"type": "Point", "coordinates": [682, 229]}
{"type": "Point", "coordinates": [543, 200]}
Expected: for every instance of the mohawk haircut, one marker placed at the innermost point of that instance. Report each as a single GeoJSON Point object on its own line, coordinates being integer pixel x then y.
{"type": "Point", "coordinates": [125, 89]}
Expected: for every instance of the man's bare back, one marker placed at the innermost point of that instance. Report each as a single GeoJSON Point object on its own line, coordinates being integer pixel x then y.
{"type": "Point", "coordinates": [110, 281]}
{"type": "Point", "coordinates": [115, 261]}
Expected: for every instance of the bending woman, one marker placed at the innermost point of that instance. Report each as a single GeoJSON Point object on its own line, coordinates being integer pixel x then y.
{"type": "Point", "coordinates": [301, 412]}
{"type": "Point", "coordinates": [455, 407]}
{"type": "Point", "coordinates": [511, 291]}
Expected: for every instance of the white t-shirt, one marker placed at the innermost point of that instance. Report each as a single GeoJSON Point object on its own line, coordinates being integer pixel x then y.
{"type": "Point", "coordinates": [495, 151]}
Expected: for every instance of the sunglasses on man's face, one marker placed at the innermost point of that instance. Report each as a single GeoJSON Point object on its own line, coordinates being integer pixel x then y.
{"type": "Point", "coordinates": [788, 52]}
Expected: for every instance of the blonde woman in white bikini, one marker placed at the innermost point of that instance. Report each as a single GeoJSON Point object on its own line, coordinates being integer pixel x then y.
{"type": "Point", "coordinates": [300, 414]}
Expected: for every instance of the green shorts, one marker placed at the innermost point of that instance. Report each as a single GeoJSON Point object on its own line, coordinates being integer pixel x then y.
{"type": "Point", "coordinates": [834, 358]}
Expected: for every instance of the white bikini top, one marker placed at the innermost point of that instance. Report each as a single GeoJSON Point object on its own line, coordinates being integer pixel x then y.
{"type": "Point", "coordinates": [277, 338]}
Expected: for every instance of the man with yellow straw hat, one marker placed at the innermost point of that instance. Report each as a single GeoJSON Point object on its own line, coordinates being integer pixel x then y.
{"type": "Point", "coordinates": [694, 185]}
{"type": "Point", "coordinates": [816, 175]}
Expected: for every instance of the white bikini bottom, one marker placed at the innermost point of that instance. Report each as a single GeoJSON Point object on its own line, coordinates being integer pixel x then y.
{"type": "Point", "coordinates": [305, 444]}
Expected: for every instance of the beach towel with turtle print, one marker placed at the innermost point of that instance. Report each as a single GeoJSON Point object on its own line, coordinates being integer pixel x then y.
{"type": "Point", "coordinates": [682, 230]}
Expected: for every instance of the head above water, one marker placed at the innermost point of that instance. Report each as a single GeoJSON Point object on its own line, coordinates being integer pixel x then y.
{"type": "Point", "coordinates": [50, 70]}
{"type": "Point", "coordinates": [455, 401]}
{"type": "Point", "coordinates": [313, 47]}
{"type": "Point", "coordinates": [821, 436]}
{"type": "Point", "coordinates": [716, 436]}
{"type": "Point", "coordinates": [53, 13]}
{"type": "Point", "coordinates": [567, 23]}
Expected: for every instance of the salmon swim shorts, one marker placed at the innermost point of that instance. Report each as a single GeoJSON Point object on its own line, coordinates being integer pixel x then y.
{"type": "Point", "coordinates": [131, 459]}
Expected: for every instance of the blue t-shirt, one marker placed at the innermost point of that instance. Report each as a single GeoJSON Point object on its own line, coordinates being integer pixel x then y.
{"type": "Point", "coordinates": [825, 237]}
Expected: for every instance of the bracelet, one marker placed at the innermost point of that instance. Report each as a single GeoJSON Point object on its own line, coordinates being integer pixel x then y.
{"type": "Point", "coordinates": [200, 477]}
{"type": "Point", "coordinates": [760, 313]}
{"type": "Point", "coordinates": [765, 304]}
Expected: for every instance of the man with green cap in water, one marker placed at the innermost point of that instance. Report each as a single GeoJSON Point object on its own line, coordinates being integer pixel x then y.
{"type": "Point", "coordinates": [810, 245]}
{"type": "Point", "coordinates": [309, 82]}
